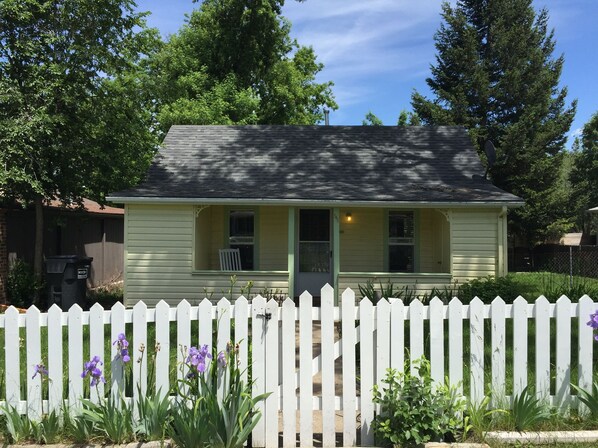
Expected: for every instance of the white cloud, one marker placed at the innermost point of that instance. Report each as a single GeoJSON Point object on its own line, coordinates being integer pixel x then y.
{"type": "Point", "coordinates": [361, 42]}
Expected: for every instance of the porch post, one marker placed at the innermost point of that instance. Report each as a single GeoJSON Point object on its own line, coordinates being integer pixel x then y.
{"type": "Point", "coordinates": [291, 251]}
{"type": "Point", "coordinates": [336, 253]}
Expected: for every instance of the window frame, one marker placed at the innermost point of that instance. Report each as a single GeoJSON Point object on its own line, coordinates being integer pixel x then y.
{"type": "Point", "coordinates": [255, 210]}
{"type": "Point", "coordinates": [415, 245]}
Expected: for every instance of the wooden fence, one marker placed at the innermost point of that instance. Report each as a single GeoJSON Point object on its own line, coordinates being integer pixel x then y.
{"type": "Point", "coordinates": [479, 347]}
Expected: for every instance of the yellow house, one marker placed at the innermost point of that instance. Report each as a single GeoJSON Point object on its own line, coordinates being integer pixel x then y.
{"type": "Point", "coordinates": [309, 205]}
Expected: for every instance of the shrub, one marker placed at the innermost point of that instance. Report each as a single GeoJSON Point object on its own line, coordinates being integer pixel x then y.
{"type": "Point", "coordinates": [414, 410]}
{"type": "Point", "coordinates": [106, 295]}
{"type": "Point", "coordinates": [488, 288]}
{"type": "Point", "coordinates": [21, 285]}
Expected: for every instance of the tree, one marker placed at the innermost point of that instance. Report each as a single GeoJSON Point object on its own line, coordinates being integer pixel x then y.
{"type": "Point", "coordinates": [584, 174]}
{"type": "Point", "coordinates": [234, 62]}
{"type": "Point", "coordinates": [495, 74]}
{"type": "Point", "coordinates": [72, 124]}
{"type": "Point", "coordinates": [408, 119]}
{"type": "Point", "coordinates": [371, 119]}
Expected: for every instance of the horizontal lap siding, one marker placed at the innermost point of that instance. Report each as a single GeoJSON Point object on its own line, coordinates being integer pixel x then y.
{"type": "Point", "coordinates": [474, 244]}
{"type": "Point", "coordinates": [362, 240]}
{"type": "Point", "coordinates": [159, 257]}
{"type": "Point", "coordinates": [431, 244]}
{"type": "Point", "coordinates": [422, 284]}
{"type": "Point", "coordinates": [203, 243]}
{"type": "Point", "coordinates": [159, 253]}
{"type": "Point", "coordinates": [273, 238]}
{"type": "Point", "coordinates": [196, 287]}
{"type": "Point", "coordinates": [217, 237]}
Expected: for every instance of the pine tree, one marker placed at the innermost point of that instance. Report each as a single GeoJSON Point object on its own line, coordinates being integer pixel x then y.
{"type": "Point", "coordinates": [584, 175]}
{"type": "Point", "coordinates": [496, 75]}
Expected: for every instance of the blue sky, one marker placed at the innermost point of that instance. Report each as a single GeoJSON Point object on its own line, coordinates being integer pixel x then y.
{"type": "Point", "coordinates": [378, 51]}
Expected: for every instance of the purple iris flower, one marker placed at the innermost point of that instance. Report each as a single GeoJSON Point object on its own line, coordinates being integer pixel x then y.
{"type": "Point", "coordinates": [92, 370]}
{"type": "Point", "coordinates": [122, 348]}
{"type": "Point", "coordinates": [39, 369]}
{"type": "Point", "coordinates": [197, 358]}
{"type": "Point", "coordinates": [221, 359]}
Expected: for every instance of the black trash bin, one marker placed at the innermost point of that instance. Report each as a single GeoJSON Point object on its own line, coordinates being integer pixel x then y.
{"type": "Point", "coordinates": [66, 277]}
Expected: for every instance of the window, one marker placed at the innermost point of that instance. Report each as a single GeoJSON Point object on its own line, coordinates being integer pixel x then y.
{"type": "Point", "coordinates": [241, 236]}
{"type": "Point", "coordinates": [401, 241]}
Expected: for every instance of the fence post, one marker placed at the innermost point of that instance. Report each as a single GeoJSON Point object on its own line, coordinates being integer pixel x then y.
{"type": "Point", "coordinates": [366, 358]}
{"type": "Point", "coordinates": [476, 341]}
{"type": "Point", "coordinates": [305, 372]}
{"type": "Point", "coordinates": [349, 383]}
{"type": "Point", "coordinates": [289, 399]}
{"type": "Point", "coordinates": [258, 349]}
{"type": "Point", "coordinates": [34, 385]}
{"type": "Point", "coordinates": [75, 362]}
{"type": "Point", "coordinates": [55, 398]}
{"type": "Point", "coordinates": [96, 344]}
{"type": "Point", "coordinates": [327, 344]}
{"type": "Point", "coordinates": [163, 354]}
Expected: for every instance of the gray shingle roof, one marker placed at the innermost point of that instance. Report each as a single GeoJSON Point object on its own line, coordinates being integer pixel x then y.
{"type": "Point", "coordinates": [318, 163]}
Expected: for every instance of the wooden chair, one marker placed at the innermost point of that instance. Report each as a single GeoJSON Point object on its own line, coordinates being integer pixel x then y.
{"type": "Point", "coordinates": [230, 260]}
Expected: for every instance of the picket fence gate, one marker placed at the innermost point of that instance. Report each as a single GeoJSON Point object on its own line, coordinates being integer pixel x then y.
{"type": "Point", "coordinates": [270, 329]}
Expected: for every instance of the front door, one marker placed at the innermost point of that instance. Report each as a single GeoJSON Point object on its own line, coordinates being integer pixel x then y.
{"type": "Point", "coordinates": [314, 266]}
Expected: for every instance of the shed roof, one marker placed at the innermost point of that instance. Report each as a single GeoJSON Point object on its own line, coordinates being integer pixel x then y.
{"type": "Point", "coordinates": [347, 164]}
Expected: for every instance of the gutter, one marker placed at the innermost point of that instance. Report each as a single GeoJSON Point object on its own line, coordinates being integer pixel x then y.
{"type": "Point", "coordinates": [313, 203]}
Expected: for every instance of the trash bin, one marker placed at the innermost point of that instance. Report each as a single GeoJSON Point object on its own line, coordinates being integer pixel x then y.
{"type": "Point", "coordinates": [66, 277]}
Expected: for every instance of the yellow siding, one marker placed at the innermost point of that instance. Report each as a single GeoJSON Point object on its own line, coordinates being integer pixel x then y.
{"type": "Point", "coordinates": [218, 240]}
{"type": "Point", "coordinates": [273, 238]}
{"type": "Point", "coordinates": [159, 257]}
{"type": "Point", "coordinates": [432, 236]}
{"type": "Point", "coordinates": [170, 253]}
{"type": "Point", "coordinates": [474, 243]}
{"type": "Point", "coordinates": [420, 283]}
{"type": "Point", "coordinates": [203, 234]}
{"type": "Point", "coordinates": [362, 240]}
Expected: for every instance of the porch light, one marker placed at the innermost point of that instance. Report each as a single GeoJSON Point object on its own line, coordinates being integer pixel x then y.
{"type": "Point", "coordinates": [349, 217]}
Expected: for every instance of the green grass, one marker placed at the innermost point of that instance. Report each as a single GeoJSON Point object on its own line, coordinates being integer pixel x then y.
{"type": "Point", "coordinates": [531, 285]}
{"type": "Point", "coordinates": [109, 352]}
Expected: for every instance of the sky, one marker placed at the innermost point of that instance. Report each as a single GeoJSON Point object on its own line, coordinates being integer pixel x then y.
{"type": "Point", "coordinates": [378, 51]}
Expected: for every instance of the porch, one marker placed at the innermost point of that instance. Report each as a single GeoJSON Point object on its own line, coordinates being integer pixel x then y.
{"type": "Point", "coordinates": [288, 250]}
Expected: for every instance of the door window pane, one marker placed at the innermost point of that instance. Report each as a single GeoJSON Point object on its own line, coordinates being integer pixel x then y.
{"type": "Point", "coordinates": [314, 240]}
{"type": "Point", "coordinates": [401, 241]}
{"type": "Point", "coordinates": [315, 257]}
{"type": "Point", "coordinates": [314, 225]}
{"type": "Point", "coordinates": [241, 236]}
{"type": "Point", "coordinates": [400, 258]}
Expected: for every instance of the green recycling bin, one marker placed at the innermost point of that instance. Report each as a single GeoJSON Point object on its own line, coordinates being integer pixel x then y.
{"type": "Point", "coordinates": [66, 277]}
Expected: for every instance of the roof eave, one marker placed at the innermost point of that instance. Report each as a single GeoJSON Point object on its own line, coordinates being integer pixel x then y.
{"type": "Point", "coordinates": [311, 202]}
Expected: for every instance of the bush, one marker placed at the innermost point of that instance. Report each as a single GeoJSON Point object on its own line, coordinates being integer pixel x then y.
{"type": "Point", "coordinates": [106, 295]}
{"type": "Point", "coordinates": [413, 410]}
{"type": "Point", "coordinates": [21, 285]}
{"type": "Point", "coordinates": [488, 288]}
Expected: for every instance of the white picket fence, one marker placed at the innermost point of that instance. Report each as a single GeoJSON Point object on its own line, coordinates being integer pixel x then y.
{"type": "Point", "coordinates": [386, 333]}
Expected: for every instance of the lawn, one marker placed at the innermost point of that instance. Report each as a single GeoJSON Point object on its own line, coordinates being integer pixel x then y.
{"type": "Point", "coordinates": [533, 284]}
{"type": "Point", "coordinates": [529, 285]}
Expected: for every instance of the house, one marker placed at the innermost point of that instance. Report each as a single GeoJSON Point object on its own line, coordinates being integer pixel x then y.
{"type": "Point", "coordinates": [309, 205]}
{"type": "Point", "coordinates": [91, 230]}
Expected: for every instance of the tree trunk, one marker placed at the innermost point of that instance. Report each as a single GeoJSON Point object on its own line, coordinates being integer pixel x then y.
{"type": "Point", "coordinates": [3, 257]}
{"type": "Point", "coordinates": [39, 246]}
